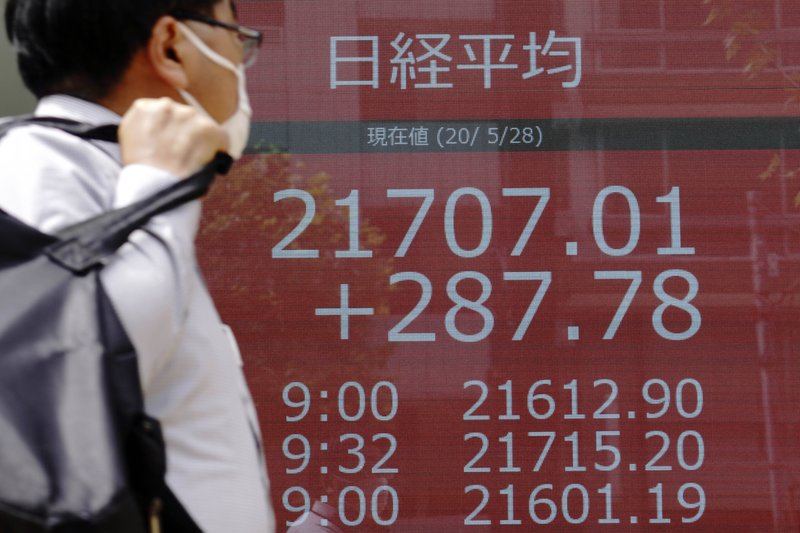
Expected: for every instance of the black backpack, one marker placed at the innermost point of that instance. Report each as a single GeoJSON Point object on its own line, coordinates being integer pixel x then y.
{"type": "Point", "coordinates": [77, 451]}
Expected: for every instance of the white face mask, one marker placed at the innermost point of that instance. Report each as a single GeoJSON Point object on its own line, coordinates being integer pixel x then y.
{"type": "Point", "coordinates": [237, 125]}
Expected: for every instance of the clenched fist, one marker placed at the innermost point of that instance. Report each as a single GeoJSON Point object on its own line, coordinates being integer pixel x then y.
{"type": "Point", "coordinates": [171, 136]}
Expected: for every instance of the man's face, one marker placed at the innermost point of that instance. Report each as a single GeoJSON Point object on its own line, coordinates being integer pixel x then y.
{"type": "Point", "coordinates": [215, 87]}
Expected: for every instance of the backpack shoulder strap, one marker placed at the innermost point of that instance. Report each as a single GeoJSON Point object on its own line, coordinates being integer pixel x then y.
{"type": "Point", "coordinates": [87, 244]}
{"type": "Point", "coordinates": [104, 132]}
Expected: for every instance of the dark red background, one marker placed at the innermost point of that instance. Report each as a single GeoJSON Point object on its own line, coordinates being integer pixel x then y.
{"type": "Point", "coordinates": [644, 58]}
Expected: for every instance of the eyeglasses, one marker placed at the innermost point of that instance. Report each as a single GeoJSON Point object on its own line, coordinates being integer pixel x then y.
{"type": "Point", "coordinates": [251, 39]}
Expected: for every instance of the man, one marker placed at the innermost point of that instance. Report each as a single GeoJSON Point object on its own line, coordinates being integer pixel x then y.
{"type": "Point", "coordinates": [139, 63]}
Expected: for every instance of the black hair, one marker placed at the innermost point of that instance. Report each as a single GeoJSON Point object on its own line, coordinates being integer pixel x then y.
{"type": "Point", "coordinates": [83, 47]}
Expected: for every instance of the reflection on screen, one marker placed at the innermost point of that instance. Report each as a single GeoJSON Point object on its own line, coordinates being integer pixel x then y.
{"type": "Point", "coordinates": [516, 265]}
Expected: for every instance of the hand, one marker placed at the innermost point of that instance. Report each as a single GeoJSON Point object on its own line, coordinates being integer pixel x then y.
{"type": "Point", "coordinates": [170, 136]}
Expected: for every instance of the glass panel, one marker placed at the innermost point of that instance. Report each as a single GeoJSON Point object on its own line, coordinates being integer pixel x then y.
{"type": "Point", "coordinates": [520, 265]}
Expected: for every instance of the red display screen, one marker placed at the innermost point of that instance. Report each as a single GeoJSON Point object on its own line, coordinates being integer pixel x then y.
{"type": "Point", "coordinates": [516, 265]}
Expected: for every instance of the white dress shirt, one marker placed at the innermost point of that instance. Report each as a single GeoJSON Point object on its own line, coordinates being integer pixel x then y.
{"type": "Point", "coordinates": [188, 360]}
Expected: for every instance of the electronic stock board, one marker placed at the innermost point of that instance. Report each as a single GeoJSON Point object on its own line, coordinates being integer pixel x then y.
{"type": "Point", "coordinates": [520, 265]}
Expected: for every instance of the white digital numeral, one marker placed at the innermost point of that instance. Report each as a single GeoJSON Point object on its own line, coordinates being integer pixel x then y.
{"type": "Point", "coordinates": [609, 516]}
{"type": "Point", "coordinates": [377, 507]}
{"type": "Point", "coordinates": [634, 217]}
{"type": "Point", "coordinates": [470, 467]}
{"type": "Point", "coordinates": [658, 490]}
{"type": "Point", "coordinates": [544, 279]}
{"type": "Point", "coordinates": [427, 202]}
{"type": "Point", "coordinates": [613, 450]}
{"type": "Point", "coordinates": [584, 503]}
{"type": "Point", "coordinates": [361, 404]}
{"type": "Point", "coordinates": [684, 304]}
{"type": "Point", "coordinates": [355, 452]}
{"type": "Point", "coordinates": [509, 414]}
{"type": "Point", "coordinates": [345, 507]}
{"type": "Point", "coordinates": [450, 222]}
{"type": "Point", "coordinates": [471, 520]}
{"type": "Point", "coordinates": [304, 456]}
{"type": "Point", "coordinates": [396, 334]}
{"type": "Point", "coordinates": [280, 251]}
{"type": "Point", "coordinates": [508, 440]}
{"type": "Point", "coordinates": [470, 414]}
{"type": "Point", "coordinates": [651, 465]}
{"type": "Point", "coordinates": [508, 492]}
{"type": "Point", "coordinates": [674, 201]}
{"type": "Point", "coordinates": [612, 397]}
{"type": "Point", "coordinates": [534, 502]}
{"type": "Point", "coordinates": [701, 450]}
{"type": "Point", "coordinates": [534, 397]}
{"type": "Point", "coordinates": [375, 403]}
{"type": "Point", "coordinates": [550, 436]}
{"type": "Point", "coordinates": [354, 227]}
{"type": "Point", "coordinates": [698, 394]}
{"type": "Point", "coordinates": [543, 194]}
{"type": "Point", "coordinates": [460, 303]}
{"type": "Point", "coordinates": [636, 280]}
{"type": "Point", "coordinates": [302, 509]}
{"type": "Point", "coordinates": [700, 504]}
{"type": "Point", "coordinates": [379, 468]}
{"type": "Point", "coordinates": [304, 405]}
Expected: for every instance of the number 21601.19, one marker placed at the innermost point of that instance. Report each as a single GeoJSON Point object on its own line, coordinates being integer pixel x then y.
{"type": "Point", "coordinates": [572, 504]}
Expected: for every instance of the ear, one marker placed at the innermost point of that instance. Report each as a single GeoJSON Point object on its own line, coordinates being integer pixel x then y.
{"type": "Point", "coordinates": [167, 52]}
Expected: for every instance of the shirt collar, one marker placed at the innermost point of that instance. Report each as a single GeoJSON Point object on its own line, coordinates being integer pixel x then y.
{"type": "Point", "coordinates": [70, 107]}
{"type": "Point", "coordinates": [63, 106]}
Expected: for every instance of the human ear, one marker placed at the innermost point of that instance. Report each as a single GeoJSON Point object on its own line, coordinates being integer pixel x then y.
{"type": "Point", "coordinates": [166, 52]}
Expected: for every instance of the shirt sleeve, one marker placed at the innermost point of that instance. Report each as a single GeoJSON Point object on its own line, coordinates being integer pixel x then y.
{"type": "Point", "coordinates": [150, 279]}
{"type": "Point", "coordinates": [59, 180]}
